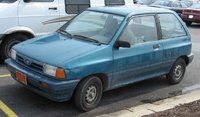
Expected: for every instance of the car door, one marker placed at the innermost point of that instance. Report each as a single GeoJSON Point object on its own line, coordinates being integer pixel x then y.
{"type": "Point", "coordinates": [144, 58]}
{"type": "Point", "coordinates": [34, 13]}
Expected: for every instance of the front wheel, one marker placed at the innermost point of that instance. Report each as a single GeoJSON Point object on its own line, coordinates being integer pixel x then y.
{"type": "Point", "coordinates": [88, 93]}
{"type": "Point", "coordinates": [177, 72]}
{"type": "Point", "coordinates": [8, 43]}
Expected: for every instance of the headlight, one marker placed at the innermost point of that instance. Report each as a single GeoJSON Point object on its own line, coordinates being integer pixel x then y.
{"type": "Point", "coordinates": [54, 71]}
{"type": "Point", "coordinates": [13, 54]}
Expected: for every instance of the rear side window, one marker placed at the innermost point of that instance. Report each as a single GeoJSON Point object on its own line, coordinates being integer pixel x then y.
{"type": "Point", "coordinates": [114, 2]}
{"type": "Point", "coordinates": [76, 6]}
{"type": "Point", "coordinates": [140, 30]}
{"type": "Point", "coordinates": [170, 26]}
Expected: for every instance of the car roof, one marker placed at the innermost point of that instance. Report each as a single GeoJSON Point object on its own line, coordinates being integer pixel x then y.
{"type": "Point", "coordinates": [130, 9]}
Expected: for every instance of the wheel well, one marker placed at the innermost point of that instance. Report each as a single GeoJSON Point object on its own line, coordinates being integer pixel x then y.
{"type": "Point", "coordinates": [103, 78]}
{"type": "Point", "coordinates": [185, 58]}
{"type": "Point", "coordinates": [15, 33]}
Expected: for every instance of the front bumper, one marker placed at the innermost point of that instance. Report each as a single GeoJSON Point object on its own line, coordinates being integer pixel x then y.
{"type": "Point", "coordinates": [57, 90]}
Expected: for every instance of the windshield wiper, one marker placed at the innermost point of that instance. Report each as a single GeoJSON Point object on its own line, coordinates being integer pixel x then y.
{"type": "Point", "coordinates": [65, 33]}
{"type": "Point", "coordinates": [86, 38]}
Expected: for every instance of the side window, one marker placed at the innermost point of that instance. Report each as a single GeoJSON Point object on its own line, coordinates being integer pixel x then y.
{"type": "Point", "coordinates": [170, 26]}
{"type": "Point", "coordinates": [41, 0]}
{"type": "Point", "coordinates": [114, 2]}
{"type": "Point", "coordinates": [76, 6]}
{"type": "Point", "coordinates": [140, 30]}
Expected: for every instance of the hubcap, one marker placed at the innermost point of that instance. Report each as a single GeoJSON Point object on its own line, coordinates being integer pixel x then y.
{"type": "Point", "coordinates": [91, 94]}
{"type": "Point", "coordinates": [178, 71]}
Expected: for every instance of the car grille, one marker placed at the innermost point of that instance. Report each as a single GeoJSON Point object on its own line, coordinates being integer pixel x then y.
{"type": "Point", "coordinates": [29, 63]}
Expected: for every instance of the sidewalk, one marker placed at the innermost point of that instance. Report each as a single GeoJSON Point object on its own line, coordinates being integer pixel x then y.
{"type": "Point", "coordinates": [186, 105]}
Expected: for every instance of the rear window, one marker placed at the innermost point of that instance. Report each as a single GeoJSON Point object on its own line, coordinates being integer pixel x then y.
{"type": "Point", "coordinates": [171, 26]}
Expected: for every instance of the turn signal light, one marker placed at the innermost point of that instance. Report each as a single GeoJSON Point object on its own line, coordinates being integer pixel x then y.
{"type": "Point", "coordinates": [60, 73]}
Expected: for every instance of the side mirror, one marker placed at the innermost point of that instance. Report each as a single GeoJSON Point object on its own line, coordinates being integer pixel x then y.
{"type": "Point", "coordinates": [123, 44]}
{"type": "Point", "coordinates": [27, 0]}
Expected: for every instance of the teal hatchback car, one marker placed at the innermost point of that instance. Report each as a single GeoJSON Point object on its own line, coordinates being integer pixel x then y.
{"type": "Point", "coordinates": [101, 49]}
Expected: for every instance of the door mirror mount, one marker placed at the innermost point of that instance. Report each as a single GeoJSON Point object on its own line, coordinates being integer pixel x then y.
{"type": "Point", "coordinates": [123, 44]}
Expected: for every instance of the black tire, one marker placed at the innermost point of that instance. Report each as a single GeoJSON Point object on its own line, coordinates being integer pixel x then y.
{"type": "Point", "coordinates": [177, 72]}
{"type": "Point", "coordinates": [188, 23]}
{"type": "Point", "coordinates": [88, 93]}
{"type": "Point", "coordinates": [8, 43]}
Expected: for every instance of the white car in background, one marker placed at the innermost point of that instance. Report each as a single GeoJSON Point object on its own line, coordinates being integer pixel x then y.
{"type": "Point", "coordinates": [24, 19]}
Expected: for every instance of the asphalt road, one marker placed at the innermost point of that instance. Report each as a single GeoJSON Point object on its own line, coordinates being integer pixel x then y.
{"type": "Point", "coordinates": [25, 103]}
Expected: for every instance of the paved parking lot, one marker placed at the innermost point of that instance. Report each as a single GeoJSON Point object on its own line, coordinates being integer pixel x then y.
{"type": "Point", "coordinates": [16, 100]}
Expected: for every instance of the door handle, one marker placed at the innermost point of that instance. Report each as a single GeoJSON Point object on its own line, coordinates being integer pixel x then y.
{"type": "Point", "coordinates": [53, 8]}
{"type": "Point", "coordinates": [156, 46]}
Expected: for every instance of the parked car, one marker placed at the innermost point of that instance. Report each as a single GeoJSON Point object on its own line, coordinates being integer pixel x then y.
{"type": "Point", "coordinates": [192, 14]}
{"type": "Point", "coordinates": [101, 49]}
{"type": "Point", "coordinates": [24, 19]}
{"type": "Point", "coordinates": [176, 6]}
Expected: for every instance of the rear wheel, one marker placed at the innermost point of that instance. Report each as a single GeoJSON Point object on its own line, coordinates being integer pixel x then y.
{"type": "Point", "coordinates": [88, 93]}
{"type": "Point", "coordinates": [177, 72]}
{"type": "Point", "coordinates": [8, 43]}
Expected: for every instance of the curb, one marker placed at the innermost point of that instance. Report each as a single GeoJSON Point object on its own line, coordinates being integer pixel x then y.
{"type": "Point", "coordinates": [150, 108]}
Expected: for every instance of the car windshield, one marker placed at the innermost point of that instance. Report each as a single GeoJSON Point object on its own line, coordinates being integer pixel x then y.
{"type": "Point", "coordinates": [93, 26]}
{"type": "Point", "coordinates": [196, 6]}
{"type": "Point", "coordinates": [7, 1]}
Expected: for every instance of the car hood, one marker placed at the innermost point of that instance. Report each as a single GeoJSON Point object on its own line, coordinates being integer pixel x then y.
{"type": "Point", "coordinates": [55, 49]}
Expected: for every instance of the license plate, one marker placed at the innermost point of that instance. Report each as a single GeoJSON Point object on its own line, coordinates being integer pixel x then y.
{"type": "Point", "coordinates": [190, 16]}
{"type": "Point", "coordinates": [21, 77]}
